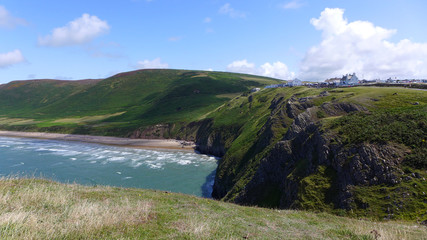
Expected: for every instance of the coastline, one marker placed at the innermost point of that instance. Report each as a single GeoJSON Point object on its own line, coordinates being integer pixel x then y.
{"type": "Point", "coordinates": [112, 141]}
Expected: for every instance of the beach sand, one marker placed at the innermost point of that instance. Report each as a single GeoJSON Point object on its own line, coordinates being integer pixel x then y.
{"type": "Point", "coordinates": [114, 141]}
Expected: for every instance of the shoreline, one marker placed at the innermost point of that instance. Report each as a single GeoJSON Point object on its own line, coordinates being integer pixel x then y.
{"type": "Point", "coordinates": [171, 144]}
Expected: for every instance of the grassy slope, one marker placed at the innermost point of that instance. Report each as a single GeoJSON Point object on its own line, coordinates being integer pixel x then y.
{"type": "Point", "coordinates": [145, 98]}
{"type": "Point", "coordinates": [40, 209]}
{"type": "Point", "coordinates": [22, 98]}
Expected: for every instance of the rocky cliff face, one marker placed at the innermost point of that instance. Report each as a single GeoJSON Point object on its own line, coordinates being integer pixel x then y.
{"type": "Point", "coordinates": [283, 175]}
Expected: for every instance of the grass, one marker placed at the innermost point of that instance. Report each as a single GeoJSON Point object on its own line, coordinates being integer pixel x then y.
{"type": "Point", "coordinates": [146, 97]}
{"type": "Point", "coordinates": [403, 125]}
{"type": "Point", "coordinates": [42, 209]}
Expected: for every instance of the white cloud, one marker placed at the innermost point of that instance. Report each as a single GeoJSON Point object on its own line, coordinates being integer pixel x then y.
{"type": "Point", "coordinates": [241, 66]}
{"type": "Point", "coordinates": [293, 4]}
{"type": "Point", "coordinates": [275, 70]}
{"type": "Point", "coordinates": [78, 31]}
{"type": "Point", "coordinates": [11, 58]}
{"type": "Point", "coordinates": [226, 9]}
{"type": "Point", "coordinates": [9, 21]}
{"type": "Point", "coordinates": [207, 20]}
{"type": "Point", "coordinates": [361, 47]}
{"type": "Point", "coordinates": [150, 64]}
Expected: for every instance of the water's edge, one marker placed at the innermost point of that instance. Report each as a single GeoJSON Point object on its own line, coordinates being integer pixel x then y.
{"type": "Point", "coordinates": [95, 164]}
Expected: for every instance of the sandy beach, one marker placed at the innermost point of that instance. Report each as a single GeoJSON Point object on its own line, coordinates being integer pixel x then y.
{"type": "Point", "coordinates": [114, 141]}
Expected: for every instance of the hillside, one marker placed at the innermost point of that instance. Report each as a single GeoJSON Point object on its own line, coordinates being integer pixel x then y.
{"type": "Point", "coordinates": [124, 101]}
{"type": "Point", "coordinates": [40, 209]}
{"type": "Point", "coordinates": [358, 151]}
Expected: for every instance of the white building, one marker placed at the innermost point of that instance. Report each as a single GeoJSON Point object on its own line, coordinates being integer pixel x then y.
{"type": "Point", "coordinates": [349, 79]}
{"type": "Point", "coordinates": [295, 82]}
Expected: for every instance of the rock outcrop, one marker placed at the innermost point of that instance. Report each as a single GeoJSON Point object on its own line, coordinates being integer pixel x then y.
{"type": "Point", "coordinates": [305, 147]}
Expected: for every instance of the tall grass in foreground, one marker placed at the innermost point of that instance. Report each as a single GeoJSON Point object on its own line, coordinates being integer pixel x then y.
{"type": "Point", "coordinates": [42, 209]}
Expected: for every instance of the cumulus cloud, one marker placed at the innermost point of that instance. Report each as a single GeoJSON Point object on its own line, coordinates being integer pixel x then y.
{"type": "Point", "coordinates": [226, 9]}
{"type": "Point", "coordinates": [9, 21]}
{"type": "Point", "coordinates": [150, 64]}
{"type": "Point", "coordinates": [207, 20]}
{"type": "Point", "coordinates": [275, 70]}
{"type": "Point", "coordinates": [293, 4]}
{"type": "Point", "coordinates": [78, 31]}
{"type": "Point", "coordinates": [361, 47]}
{"type": "Point", "coordinates": [11, 58]}
{"type": "Point", "coordinates": [242, 66]}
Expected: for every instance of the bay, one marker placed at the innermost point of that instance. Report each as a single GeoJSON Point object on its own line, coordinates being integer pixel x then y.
{"type": "Point", "coordinates": [95, 164]}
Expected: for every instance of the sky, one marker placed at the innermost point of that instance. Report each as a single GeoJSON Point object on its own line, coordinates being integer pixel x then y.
{"type": "Point", "coordinates": [311, 40]}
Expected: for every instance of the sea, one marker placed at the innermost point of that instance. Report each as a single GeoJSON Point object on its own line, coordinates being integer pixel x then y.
{"type": "Point", "coordinates": [95, 164]}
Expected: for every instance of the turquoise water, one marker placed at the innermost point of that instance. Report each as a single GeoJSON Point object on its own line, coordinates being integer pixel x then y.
{"type": "Point", "coordinates": [94, 164]}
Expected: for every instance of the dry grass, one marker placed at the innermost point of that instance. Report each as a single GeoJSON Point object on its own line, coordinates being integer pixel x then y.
{"type": "Point", "coordinates": [17, 121]}
{"type": "Point", "coordinates": [41, 209]}
{"type": "Point", "coordinates": [49, 210]}
{"type": "Point", "coordinates": [87, 119]}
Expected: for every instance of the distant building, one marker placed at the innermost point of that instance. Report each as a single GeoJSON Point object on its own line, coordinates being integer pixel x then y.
{"type": "Point", "coordinates": [295, 82]}
{"type": "Point", "coordinates": [349, 80]}
{"type": "Point", "coordinates": [390, 80]}
{"type": "Point", "coordinates": [276, 85]}
{"type": "Point", "coordinates": [255, 89]}
{"type": "Point", "coordinates": [333, 81]}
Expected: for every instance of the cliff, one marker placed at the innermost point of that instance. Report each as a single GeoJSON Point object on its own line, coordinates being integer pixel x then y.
{"type": "Point", "coordinates": [314, 165]}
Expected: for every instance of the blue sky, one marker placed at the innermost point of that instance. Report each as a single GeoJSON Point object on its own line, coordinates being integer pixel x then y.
{"type": "Point", "coordinates": [311, 40]}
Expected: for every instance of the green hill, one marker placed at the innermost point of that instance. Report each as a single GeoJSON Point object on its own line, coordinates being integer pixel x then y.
{"type": "Point", "coordinates": [127, 100]}
{"type": "Point", "coordinates": [40, 209]}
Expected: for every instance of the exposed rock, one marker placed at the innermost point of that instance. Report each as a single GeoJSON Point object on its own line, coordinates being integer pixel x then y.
{"type": "Point", "coordinates": [362, 164]}
{"type": "Point", "coordinates": [250, 98]}
{"type": "Point", "coordinates": [152, 132]}
{"type": "Point", "coordinates": [324, 94]}
{"type": "Point", "coordinates": [336, 109]}
{"type": "Point", "coordinates": [295, 106]}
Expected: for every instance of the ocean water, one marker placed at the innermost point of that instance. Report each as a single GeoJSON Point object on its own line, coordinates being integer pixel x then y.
{"type": "Point", "coordinates": [94, 164]}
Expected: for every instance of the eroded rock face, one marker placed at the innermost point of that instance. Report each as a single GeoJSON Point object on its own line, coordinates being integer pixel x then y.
{"type": "Point", "coordinates": [336, 109]}
{"type": "Point", "coordinates": [306, 146]}
{"type": "Point", "coordinates": [152, 132]}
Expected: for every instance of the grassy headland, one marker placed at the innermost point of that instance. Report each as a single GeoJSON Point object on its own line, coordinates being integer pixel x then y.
{"type": "Point", "coordinates": [41, 209]}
